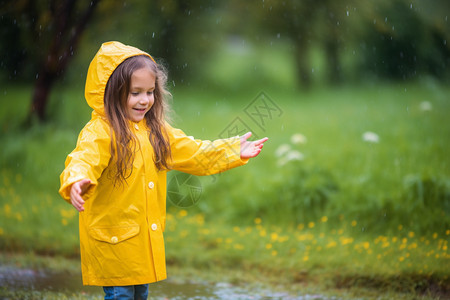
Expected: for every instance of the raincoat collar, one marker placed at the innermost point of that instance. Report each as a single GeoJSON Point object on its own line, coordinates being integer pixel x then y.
{"type": "Point", "coordinates": [109, 56]}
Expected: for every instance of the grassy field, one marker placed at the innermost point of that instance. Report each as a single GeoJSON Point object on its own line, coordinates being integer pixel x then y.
{"type": "Point", "coordinates": [351, 195]}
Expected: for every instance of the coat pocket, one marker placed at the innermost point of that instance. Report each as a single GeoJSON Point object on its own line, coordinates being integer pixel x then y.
{"type": "Point", "coordinates": [114, 234]}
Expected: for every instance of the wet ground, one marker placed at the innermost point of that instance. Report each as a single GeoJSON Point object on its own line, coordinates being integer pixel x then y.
{"type": "Point", "coordinates": [27, 280]}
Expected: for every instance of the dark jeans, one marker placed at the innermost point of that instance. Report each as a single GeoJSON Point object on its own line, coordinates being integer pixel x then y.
{"type": "Point", "coordinates": [129, 292]}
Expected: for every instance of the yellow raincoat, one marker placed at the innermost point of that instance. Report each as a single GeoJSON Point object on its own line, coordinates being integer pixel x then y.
{"type": "Point", "coordinates": [121, 228]}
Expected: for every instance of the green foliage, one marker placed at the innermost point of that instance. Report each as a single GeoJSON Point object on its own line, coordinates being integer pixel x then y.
{"type": "Point", "coordinates": [344, 207]}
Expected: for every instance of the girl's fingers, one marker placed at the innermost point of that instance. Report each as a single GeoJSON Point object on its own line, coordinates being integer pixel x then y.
{"type": "Point", "coordinates": [261, 141]}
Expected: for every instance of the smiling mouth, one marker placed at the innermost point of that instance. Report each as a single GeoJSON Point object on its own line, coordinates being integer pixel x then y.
{"type": "Point", "coordinates": [140, 109]}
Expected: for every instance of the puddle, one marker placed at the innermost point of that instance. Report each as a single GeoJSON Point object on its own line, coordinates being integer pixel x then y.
{"type": "Point", "coordinates": [171, 289]}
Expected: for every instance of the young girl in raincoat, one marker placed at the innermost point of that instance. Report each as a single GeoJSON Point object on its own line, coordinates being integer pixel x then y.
{"type": "Point", "coordinates": [116, 175]}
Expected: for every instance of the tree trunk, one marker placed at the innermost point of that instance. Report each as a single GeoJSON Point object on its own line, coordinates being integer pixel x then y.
{"type": "Point", "coordinates": [332, 58]}
{"type": "Point", "coordinates": [60, 50]}
{"type": "Point", "coordinates": [302, 61]}
{"type": "Point", "coordinates": [41, 94]}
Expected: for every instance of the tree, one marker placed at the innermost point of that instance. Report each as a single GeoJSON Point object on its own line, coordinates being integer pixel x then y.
{"type": "Point", "coordinates": [50, 31]}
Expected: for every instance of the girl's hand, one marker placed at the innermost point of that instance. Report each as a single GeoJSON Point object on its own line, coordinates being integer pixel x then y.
{"type": "Point", "coordinates": [78, 189]}
{"type": "Point", "coordinates": [251, 149]}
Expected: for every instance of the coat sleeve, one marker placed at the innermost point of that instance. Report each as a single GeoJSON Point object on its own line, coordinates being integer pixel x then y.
{"type": "Point", "coordinates": [88, 160]}
{"type": "Point", "coordinates": [203, 157]}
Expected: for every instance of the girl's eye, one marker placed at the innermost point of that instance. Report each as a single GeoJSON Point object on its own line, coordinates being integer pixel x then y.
{"type": "Point", "coordinates": [134, 93]}
{"type": "Point", "coordinates": [150, 93]}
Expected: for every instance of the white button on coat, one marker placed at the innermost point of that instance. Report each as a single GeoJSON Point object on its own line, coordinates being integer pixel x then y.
{"type": "Point", "coordinates": [151, 185]}
{"type": "Point", "coordinates": [114, 239]}
{"type": "Point", "coordinates": [154, 226]}
{"type": "Point", "coordinates": [136, 126]}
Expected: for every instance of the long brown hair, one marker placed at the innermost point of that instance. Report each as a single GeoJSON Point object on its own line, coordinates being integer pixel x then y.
{"type": "Point", "coordinates": [123, 143]}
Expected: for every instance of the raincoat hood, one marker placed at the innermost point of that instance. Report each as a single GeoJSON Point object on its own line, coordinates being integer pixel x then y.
{"type": "Point", "coordinates": [110, 55]}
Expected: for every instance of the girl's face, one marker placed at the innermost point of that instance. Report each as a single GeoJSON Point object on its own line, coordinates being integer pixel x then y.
{"type": "Point", "coordinates": [141, 96]}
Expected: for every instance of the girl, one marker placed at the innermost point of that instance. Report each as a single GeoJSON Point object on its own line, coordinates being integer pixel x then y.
{"type": "Point", "coordinates": [116, 176]}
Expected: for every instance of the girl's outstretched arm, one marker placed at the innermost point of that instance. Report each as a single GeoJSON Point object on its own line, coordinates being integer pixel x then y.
{"type": "Point", "coordinates": [251, 149]}
{"type": "Point", "coordinates": [76, 191]}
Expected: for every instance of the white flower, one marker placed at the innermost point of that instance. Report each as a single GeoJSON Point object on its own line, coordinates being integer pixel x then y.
{"type": "Point", "coordinates": [282, 149]}
{"type": "Point", "coordinates": [298, 138]}
{"type": "Point", "coordinates": [426, 106]}
{"type": "Point", "coordinates": [294, 155]}
{"type": "Point", "coordinates": [290, 156]}
{"type": "Point", "coordinates": [370, 137]}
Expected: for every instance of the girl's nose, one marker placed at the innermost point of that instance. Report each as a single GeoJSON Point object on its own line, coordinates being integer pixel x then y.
{"type": "Point", "coordinates": [144, 100]}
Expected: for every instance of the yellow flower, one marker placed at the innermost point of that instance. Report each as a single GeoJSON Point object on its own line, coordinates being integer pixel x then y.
{"type": "Point", "coordinates": [401, 258]}
{"type": "Point", "coordinates": [366, 245]}
{"type": "Point", "coordinates": [64, 222]}
{"type": "Point", "coordinates": [19, 217]}
{"type": "Point", "coordinates": [268, 246]}
{"type": "Point", "coordinates": [274, 253]}
{"type": "Point", "coordinates": [412, 246]}
{"type": "Point", "coordinates": [305, 258]}
{"type": "Point", "coordinates": [257, 221]}
{"type": "Point", "coordinates": [331, 244]}
{"type": "Point", "coordinates": [205, 231]}
{"type": "Point", "coordinates": [447, 232]}
{"type": "Point", "coordinates": [182, 213]}
{"type": "Point", "coordinates": [200, 219]}
{"type": "Point", "coordinates": [238, 246]}
{"type": "Point", "coordinates": [324, 219]}
{"type": "Point", "coordinates": [236, 229]}
{"type": "Point", "coordinates": [274, 236]}
{"type": "Point", "coordinates": [1, 231]}
{"type": "Point", "coordinates": [400, 227]}
{"type": "Point", "coordinates": [311, 224]}
{"type": "Point", "coordinates": [411, 234]}
{"type": "Point", "coordinates": [7, 209]}
{"type": "Point", "coordinates": [68, 213]}
{"type": "Point", "coordinates": [354, 223]}
{"type": "Point", "coordinates": [300, 226]}
{"type": "Point", "coordinates": [345, 241]}
{"type": "Point", "coordinates": [435, 235]}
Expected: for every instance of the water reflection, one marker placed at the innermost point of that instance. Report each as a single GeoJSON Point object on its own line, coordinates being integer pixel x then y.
{"type": "Point", "coordinates": [38, 280]}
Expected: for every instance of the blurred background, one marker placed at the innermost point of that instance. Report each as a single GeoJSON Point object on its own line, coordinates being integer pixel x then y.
{"type": "Point", "coordinates": [353, 95]}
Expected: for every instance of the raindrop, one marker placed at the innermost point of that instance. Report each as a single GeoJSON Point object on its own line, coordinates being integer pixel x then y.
{"type": "Point", "coordinates": [153, 35]}
{"type": "Point", "coordinates": [278, 35]}
{"type": "Point", "coordinates": [348, 13]}
{"type": "Point", "coordinates": [393, 28]}
{"type": "Point", "coordinates": [445, 42]}
{"type": "Point", "coordinates": [410, 6]}
{"type": "Point", "coordinates": [312, 70]}
{"type": "Point", "coordinates": [385, 20]}
{"type": "Point", "coordinates": [37, 75]}
{"type": "Point", "coordinates": [173, 82]}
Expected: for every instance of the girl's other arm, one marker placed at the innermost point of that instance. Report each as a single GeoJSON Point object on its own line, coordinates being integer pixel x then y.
{"type": "Point", "coordinates": [203, 157]}
{"type": "Point", "coordinates": [77, 191]}
{"type": "Point", "coordinates": [87, 161]}
{"type": "Point", "coordinates": [250, 149]}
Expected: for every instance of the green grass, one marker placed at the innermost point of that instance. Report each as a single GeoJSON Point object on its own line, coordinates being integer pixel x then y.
{"type": "Point", "coordinates": [334, 221]}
